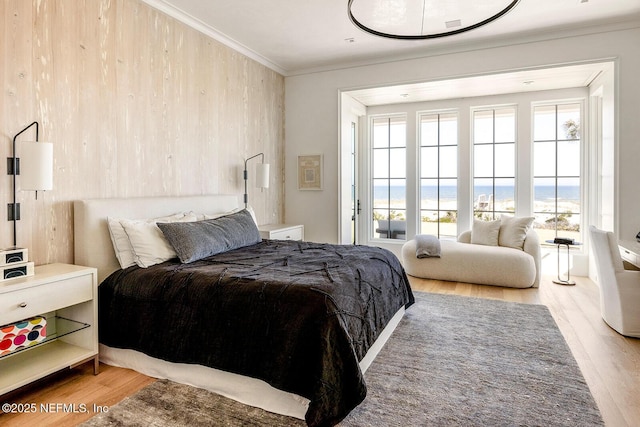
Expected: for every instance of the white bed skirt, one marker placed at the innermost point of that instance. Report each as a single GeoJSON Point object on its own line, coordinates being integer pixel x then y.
{"type": "Point", "coordinates": [247, 390]}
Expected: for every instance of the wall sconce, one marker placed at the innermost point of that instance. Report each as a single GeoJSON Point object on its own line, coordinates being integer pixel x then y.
{"type": "Point", "coordinates": [262, 176]}
{"type": "Point", "coordinates": [34, 164]}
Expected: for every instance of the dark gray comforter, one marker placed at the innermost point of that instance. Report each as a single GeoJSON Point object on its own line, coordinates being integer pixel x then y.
{"type": "Point", "coordinates": [297, 315]}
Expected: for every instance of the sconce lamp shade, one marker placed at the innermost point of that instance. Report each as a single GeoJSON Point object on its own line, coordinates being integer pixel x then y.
{"type": "Point", "coordinates": [262, 175]}
{"type": "Point", "coordinates": [36, 160]}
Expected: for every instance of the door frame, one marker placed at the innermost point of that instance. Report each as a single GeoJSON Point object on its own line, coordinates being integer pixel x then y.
{"type": "Point", "coordinates": [351, 111]}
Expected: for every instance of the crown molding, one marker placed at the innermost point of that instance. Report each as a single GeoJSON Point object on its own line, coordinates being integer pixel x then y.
{"type": "Point", "coordinates": [207, 30]}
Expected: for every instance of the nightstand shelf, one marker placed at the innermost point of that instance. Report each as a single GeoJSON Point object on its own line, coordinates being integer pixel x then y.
{"type": "Point", "coordinates": [282, 231]}
{"type": "Point", "coordinates": [66, 295]}
{"type": "Point", "coordinates": [57, 327]}
{"type": "Point", "coordinates": [40, 361]}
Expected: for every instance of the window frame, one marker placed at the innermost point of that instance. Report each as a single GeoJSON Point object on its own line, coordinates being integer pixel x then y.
{"type": "Point", "coordinates": [492, 212]}
{"type": "Point", "coordinates": [371, 181]}
{"type": "Point", "coordinates": [419, 178]}
{"type": "Point", "coordinates": [584, 147]}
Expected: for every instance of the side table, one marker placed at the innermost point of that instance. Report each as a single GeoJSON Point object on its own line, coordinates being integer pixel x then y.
{"type": "Point", "coordinates": [560, 280]}
{"type": "Point", "coordinates": [282, 231]}
{"type": "Point", "coordinates": [630, 252]}
{"type": "Point", "coordinates": [66, 295]}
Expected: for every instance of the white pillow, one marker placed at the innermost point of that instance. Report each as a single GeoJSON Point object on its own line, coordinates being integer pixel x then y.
{"type": "Point", "coordinates": [513, 231]}
{"type": "Point", "coordinates": [219, 215]}
{"type": "Point", "coordinates": [253, 214]}
{"type": "Point", "coordinates": [125, 250]}
{"type": "Point", "coordinates": [122, 246]}
{"type": "Point", "coordinates": [148, 243]}
{"type": "Point", "coordinates": [485, 232]}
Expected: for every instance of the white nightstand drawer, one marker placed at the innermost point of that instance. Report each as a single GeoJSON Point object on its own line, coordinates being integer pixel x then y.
{"type": "Point", "coordinates": [291, 234]}
{"type": "Point", "coordinates": [282, 231]}
{"type": "Point", "coordinates": [28, 302]}
{"type": "Point", "coordinates": [628, 256]}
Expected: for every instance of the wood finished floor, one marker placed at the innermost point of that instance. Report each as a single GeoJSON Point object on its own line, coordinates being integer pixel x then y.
{"type": "Point", "coordinates": [609, 362]}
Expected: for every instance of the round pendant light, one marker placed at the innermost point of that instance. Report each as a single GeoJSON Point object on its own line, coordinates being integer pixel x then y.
{"type": "Point", "coordinates": [424, 19]}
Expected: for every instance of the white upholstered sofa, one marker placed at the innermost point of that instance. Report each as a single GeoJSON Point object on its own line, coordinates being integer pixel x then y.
{"type": "Point", "coordinates": [503, 264]}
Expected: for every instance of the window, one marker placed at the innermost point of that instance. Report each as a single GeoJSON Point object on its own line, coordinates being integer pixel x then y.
{"type": "Point", "coordinates": [556, 170]}
{"type": "Point", "coordinates": [432, 168]}
{"type": "Point", "coordinates": [438, 136]}
{"type": "Point", "coordinates": [389, 172]}
{"type": "Point", "coordinates": [494, 144]}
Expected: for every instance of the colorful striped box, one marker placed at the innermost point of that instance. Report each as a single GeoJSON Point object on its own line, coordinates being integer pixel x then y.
{"type": "Point", "coordinates": [22, 334]}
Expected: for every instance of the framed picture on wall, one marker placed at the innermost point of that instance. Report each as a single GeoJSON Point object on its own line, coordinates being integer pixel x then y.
{"type": "Point", "coordinates": [310, 172]}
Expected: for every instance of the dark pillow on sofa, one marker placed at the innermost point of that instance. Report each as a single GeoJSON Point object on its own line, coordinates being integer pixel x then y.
{"type": "Point", "coordinates": [196, 240]}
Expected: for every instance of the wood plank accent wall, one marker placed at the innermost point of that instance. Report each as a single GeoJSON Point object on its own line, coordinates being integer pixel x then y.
{"type": "Point", "coordinates": [135, 104]}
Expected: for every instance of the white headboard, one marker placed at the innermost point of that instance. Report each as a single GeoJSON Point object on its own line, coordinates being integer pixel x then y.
{"type": "Point", "coordinates": [92, 242]}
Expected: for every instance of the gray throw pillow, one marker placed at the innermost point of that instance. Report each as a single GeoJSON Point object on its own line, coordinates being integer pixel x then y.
{"type": "Point", "coordinates": [196, 240]}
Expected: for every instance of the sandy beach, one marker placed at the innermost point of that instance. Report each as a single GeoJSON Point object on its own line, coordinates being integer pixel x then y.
{"type": "Point", "coordinates": [545, 231]}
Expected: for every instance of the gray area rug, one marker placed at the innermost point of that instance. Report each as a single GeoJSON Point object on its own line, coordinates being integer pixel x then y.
{"type": "Point", "coordinates": [452, 361]}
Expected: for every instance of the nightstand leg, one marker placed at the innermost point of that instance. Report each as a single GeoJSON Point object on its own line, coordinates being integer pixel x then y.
{"type": "Point", "coordinates": [96, 364]}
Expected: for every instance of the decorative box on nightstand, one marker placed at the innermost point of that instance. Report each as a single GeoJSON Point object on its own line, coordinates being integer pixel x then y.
{"type": "Point", "coordinates": [282, 231]}
{"type": "Point", "coordinates": [65, 295]}
{"type": "Point", "coordinates": [14, 262]}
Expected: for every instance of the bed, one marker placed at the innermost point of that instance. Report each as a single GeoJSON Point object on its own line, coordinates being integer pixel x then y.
{"type": "Point", "coordinates": [289, 327]}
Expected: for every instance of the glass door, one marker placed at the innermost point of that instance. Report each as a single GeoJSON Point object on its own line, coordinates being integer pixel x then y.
{"type": "Point", "coordinates": [355, 202]}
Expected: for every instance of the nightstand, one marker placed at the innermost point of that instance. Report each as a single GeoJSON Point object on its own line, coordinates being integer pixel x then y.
{"type": "Point", "coordinates": [282, 231]}
{"type": "Point", "coordinates": [64, 294]}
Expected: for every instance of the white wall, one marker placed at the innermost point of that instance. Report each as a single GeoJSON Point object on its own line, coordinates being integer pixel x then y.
{"type": "Point", "coordinates": [312, 114]}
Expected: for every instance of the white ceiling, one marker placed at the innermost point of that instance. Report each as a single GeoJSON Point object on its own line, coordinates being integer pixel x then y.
{"type": "Point", "coordinates": [297, 36]}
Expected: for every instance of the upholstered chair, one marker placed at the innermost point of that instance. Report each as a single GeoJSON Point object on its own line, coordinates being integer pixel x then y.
{"type": "Point", "coordinates": [619, 288]}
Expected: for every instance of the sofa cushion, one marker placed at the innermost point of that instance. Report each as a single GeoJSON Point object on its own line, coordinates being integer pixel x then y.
{"type": "Point", "coordinates": [485, 232]}
{"type": "Point", "coordinates": [513, 231]}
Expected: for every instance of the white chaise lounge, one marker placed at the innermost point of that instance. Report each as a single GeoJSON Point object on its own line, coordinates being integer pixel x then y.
{"type": "Point", "coordinates": [485, 264]}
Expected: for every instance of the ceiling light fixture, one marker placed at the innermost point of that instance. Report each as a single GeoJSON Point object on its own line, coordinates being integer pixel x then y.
{"type": "Point", "coordinates": [453, 24]}
{"type": "Point", "coordinates": [424, 19]}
